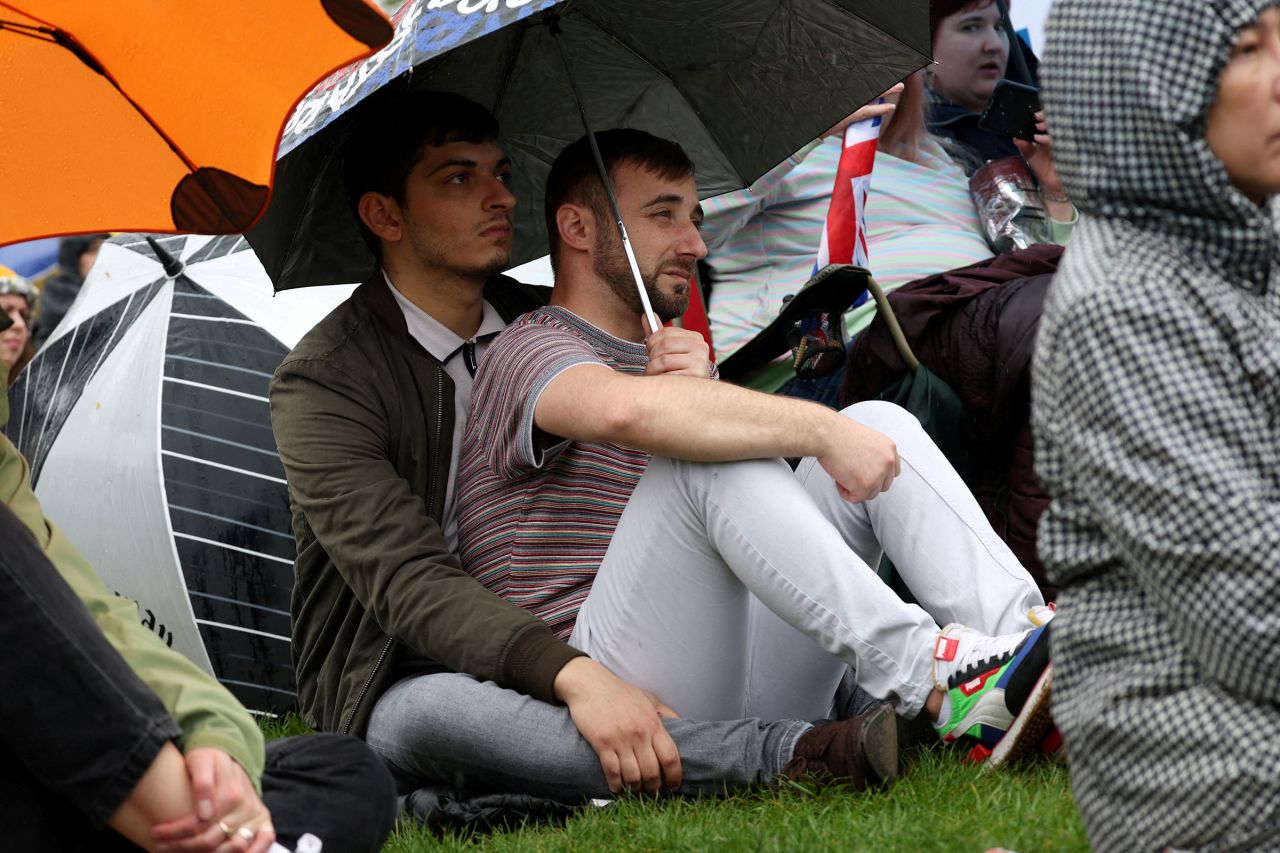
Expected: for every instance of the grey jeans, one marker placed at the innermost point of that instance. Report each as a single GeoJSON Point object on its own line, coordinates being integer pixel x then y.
{"type": "Point", "coordinates": [478, 738]}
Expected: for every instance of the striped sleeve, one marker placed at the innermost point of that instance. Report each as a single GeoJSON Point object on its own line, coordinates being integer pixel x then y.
{"type": "Point", "coordinates": [511, 377]}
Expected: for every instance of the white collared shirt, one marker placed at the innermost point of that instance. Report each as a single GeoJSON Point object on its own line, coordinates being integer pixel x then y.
{"type": "Point", "coordinates": [451, 351]}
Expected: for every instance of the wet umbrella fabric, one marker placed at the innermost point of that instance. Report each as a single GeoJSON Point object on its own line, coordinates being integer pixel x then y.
{"type": "Point", "coordinates": [741, 85]}
{"type": "Point", "coordinates": [135, 114]}
{"type": "Point", "coordinates": [146, 423]}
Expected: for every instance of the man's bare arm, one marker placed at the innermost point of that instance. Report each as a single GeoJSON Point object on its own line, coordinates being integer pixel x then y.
{"type": "Point", "coordinates": [686, 418]}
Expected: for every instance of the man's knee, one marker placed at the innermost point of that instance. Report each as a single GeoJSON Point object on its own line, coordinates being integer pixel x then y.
{"type": "Point", "coordinates": [429, 702]}
{"type": "Point", "coordinates": [885, 417]}
{"type": "Point", "coordinates": [707, 473]}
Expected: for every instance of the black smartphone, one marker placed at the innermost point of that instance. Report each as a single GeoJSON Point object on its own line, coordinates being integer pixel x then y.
{"type": "Point", "coordinates": [1012, 110]}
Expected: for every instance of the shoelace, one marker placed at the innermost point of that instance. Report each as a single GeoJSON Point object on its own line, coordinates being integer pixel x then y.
{"type": "Point", "coordinates": [1042, 614]}
{"type": "Point", "coordinates": [983, 653]}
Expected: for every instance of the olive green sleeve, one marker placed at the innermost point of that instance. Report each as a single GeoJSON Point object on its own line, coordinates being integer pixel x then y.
{"type": "Point", "coordinates": [207, 713]}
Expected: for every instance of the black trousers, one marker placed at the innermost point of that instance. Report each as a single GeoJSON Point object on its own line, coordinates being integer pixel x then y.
{"type": "Point", "coordinates": [78, 728]}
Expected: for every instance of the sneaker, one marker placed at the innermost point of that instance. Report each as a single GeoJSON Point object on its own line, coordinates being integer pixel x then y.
{"type": "Point", "coordinates": [862, 752]}
{"type": "Point", "coordinates": [1030, 726]}
{"type": "Point", "coordinates": [998, 689]}
{"type": "Point", "coordinates": [1041, 614]}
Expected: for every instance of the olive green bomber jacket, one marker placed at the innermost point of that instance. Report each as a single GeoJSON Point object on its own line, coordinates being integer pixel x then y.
{"type": "Point", "coordinates": [207, 713]}
{"type": "Point", "coordinates": [363, 418]}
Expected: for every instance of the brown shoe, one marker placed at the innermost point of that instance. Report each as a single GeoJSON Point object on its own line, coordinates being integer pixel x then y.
{"type": "Point", "coordinates": [862, 752]}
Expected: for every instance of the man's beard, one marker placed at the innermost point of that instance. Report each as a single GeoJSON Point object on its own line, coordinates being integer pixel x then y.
{"type": "Point", "coordinates": [611, 265]}
{"type": "Point", "coordinates": [433, 252]}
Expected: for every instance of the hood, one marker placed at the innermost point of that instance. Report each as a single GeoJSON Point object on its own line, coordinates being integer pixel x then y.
{"type": "Point", "coordinates": [1127, 87]}
{"type": "Point", "coordinates": [71, 248]}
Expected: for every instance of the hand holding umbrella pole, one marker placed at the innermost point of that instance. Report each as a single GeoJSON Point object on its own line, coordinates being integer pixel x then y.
{"type": "Point", "coordinates": [650, 318]}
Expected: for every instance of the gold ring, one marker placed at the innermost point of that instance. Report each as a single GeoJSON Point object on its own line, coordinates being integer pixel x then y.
{"type": "Point", "coordinates": [246, 833]}
{"type": "Point", "coordinates": [226, 830]}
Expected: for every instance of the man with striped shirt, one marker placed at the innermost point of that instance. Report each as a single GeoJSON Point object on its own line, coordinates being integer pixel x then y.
{"type": "Point", "coordinates": [461, 692]}
{"type": "Point", "coordinates": [642, 512]}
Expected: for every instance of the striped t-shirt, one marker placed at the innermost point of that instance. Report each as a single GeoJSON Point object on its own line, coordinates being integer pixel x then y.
{"type": "Point", "coordinates": [535, 516]}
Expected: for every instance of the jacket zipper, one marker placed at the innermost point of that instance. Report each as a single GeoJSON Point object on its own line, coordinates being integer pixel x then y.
{"type": "Point", "coordinates": [356, 707]}
{"type": "Point", "coordinates": [387, 647]}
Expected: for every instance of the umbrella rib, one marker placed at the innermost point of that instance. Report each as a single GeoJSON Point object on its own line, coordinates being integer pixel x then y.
{"type": "Point", "coordinates": [506, 75]}
{"type": "Point", "coordinates": [659, 71]}
{"type": "Point", "coordinates": [662, 73]}
{"type": "Point", "coordinates": [62, 38]}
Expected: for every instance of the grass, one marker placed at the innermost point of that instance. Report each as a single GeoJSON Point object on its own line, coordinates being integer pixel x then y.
{"type": "Point", "coordinates": [940, 804]}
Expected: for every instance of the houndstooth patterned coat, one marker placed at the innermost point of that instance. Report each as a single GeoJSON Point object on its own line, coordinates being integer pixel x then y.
{"type": "Point", "coordinates": [1156, 409]}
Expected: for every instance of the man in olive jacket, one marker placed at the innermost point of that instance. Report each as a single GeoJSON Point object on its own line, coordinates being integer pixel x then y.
{"type": "Point", "coordinates": [392, 640]}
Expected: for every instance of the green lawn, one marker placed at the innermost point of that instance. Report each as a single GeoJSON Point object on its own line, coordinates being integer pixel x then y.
{"type": "Point", "coordinates": [940, 804]}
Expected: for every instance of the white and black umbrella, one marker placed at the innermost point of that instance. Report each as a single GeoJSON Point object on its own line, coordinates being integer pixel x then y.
{"type": "Point", "coordinates": [146, 423]}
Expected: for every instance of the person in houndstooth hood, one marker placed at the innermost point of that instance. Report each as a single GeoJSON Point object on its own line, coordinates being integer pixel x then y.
{"type": "Point", "coordinates": [1156, 402]}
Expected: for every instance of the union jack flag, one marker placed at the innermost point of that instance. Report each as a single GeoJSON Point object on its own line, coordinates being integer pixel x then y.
{"type": "Point", "coordinates": [844, 238]}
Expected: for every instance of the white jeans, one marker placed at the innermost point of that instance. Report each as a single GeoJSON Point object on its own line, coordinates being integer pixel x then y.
{"type": "Point", "coordinates": [736, 590]}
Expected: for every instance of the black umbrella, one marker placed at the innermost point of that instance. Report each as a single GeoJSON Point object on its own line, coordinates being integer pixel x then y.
{"type": "Point", "coordinates": [739, 84]}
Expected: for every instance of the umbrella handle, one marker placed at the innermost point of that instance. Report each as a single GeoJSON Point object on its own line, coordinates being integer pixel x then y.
{"type": "Point", "coordinates": [651, 319]}
{"type": "Point", "coordinates": [891, 320]}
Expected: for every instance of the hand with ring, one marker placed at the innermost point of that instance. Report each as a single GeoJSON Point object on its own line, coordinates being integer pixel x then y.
{"type": "Point", "coordinates": [229, 816]}
{"type": "Point", "coordinates": [243, 832]}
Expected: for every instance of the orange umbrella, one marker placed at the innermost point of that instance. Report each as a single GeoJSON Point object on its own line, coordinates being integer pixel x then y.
{"type": "Point", "coordinates": [157, 115]}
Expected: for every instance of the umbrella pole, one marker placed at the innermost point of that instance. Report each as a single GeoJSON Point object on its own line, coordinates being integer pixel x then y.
{"type": "Point", "coordinates": [650, 318]}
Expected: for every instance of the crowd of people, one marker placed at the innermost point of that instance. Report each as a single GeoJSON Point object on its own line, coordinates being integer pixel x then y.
{"type": "Point", "coordinates": [543, 551]}
{"type": "Point", "coordinates": [921, 217]}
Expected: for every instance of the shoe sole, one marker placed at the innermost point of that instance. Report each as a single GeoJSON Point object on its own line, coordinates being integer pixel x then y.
{"type": "Point", "coordinates": [880, 746]}
{"type": "Point", "coordinates": [1028, 728]}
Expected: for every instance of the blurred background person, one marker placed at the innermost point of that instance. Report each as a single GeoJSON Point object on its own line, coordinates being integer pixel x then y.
{"type": "Point", "coordinates": [75, 258]}
{"type": "Point", "coordinates": [17, 299]}
{"type": "Point", "coordinates": [920, 220]}
{"type": "Point", "coordinates": [970, 56]}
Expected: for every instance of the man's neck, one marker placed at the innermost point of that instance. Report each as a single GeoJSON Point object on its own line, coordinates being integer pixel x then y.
{"type": "Point", "coordinates": [583, 293]}
{"type": "Point", "coordinates": [455, 301]}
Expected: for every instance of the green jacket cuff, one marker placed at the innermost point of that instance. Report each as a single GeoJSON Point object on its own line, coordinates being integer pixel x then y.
{"type": "Point", "coordinates": [240, 752]}
{"type": "Point", "coordinates": [534, 660]}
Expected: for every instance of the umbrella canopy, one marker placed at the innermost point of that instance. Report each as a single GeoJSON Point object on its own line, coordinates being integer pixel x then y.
{"type": "Point", "coordinates": [741, 85]}
{"type": "Point", "coordinates": [146, 423]}
{"type": "Point", "coordinates": [135, 114]}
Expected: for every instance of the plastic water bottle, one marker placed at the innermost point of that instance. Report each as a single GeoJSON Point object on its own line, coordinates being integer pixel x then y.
{"type": "Point", "coordinates": [308, 843]}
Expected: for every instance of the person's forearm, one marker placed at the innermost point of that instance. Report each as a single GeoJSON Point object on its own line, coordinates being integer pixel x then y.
{"type": "Point", "coordinates": [1059, 207]}
{"type": "Point", "coordinates": [688, 418]}
{"type": "Point", "coordinates": [727, 213]}
{"type": "Point", "coordinates": [162, 794]}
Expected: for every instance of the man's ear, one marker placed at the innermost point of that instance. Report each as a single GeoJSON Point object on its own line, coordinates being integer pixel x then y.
{"type": "Point", "coordinates": [576, 226]}
{"type": "Point", "coordinates": [381, 215]}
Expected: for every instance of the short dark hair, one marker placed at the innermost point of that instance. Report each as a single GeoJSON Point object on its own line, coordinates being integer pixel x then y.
{"type": "Point", "coordinates": [388, 133]}
{"type": "Point", "coordinates": [574, 178]}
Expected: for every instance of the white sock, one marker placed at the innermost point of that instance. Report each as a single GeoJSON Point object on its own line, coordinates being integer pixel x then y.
{"type": "Point", "coordinates": [944, 712]}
